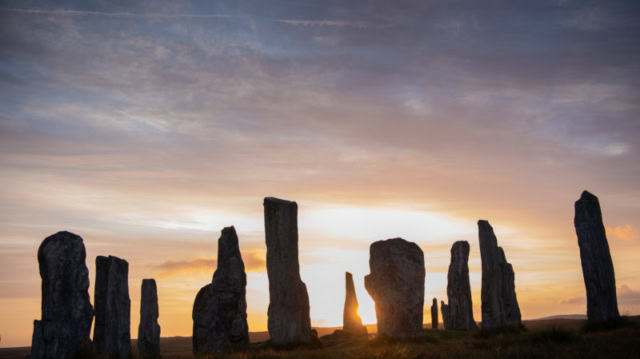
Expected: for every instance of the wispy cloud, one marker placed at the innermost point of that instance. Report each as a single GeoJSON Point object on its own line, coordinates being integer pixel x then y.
{"type": "Point", "coordinates": [337, 23]}
{"type": "Point", "coordinates": [254, 261]}
{"type": "Point", "coordinates": [113, 14]}
{"type": "Point", "coordinates": [626, 233]}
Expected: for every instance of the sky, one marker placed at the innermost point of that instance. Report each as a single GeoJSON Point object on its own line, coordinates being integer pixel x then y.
{"type": "Point", "coordinates": [146, 127]}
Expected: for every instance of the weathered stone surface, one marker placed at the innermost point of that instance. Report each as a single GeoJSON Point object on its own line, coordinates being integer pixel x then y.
{"type": "Point", "coordinates": [352, 323]}
{"type": "Point", "coordinates": [460, 307]}
{"type": "Point", "coordinates": [66, 309]}
{"type": "Point", "coordinates": [220, 309]}
{"type": "Point", "coordinates": [499, 303]}
{"type": "Point", "coordinates": [434, 314]}
{"type": "Point", "coordinates": [289, 321]}
{"type": "Point", "coordinates": [112, 330]}
{"type": "Point", "coordinates": [149, 329]}
{"type": "Point", "coordinates": [597, 266]}
{"type": "Point", "coordinates": [396, 284]}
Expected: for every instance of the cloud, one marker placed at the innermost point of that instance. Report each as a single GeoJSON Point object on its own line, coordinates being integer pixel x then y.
{"type": "Point", "coordinates": [626, 297]}
{"type": "Point", "coordinates": [625, 233]}
{"type": "Point", "coordinates": [254, 261]}
{"type": "Point", "coordinates": [338, 23]}
{"type": "Point", "coordinates": [187, 267]}
{"type": "Point", "coordinates": [113, 14]}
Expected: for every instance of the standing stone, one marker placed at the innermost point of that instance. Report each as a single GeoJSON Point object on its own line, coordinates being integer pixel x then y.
{"type": "Point", "coordinates": [460, 307]}
{"type": "Point", "coordinates": [149, 330]}
{"type": "Point", "coordinates": [396, 284]}
{"type": "Point", "coordinates": [499, 303]}
{"type": "Point", "coordinates": [220, 309]}
{"type": "Point", "coordinates": [446, 320]}
{"type": "Point", "coordinates": [112, 331]}
{"type": "Point", "coordinates": [434, 314]}
{"type": "Point", "coordinates": [352, 323]}
{"type": "Point", "coordinates": [597, 266]}
{"type": "Point", "coordinates": [289, 321]}
{"type": "Point", "coordinates": [67, 313]}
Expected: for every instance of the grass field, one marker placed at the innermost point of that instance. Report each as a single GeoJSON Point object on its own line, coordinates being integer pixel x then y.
{"type": "Point", "coordinates": [544, 339]}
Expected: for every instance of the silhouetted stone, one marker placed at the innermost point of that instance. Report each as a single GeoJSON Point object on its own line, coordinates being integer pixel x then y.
{"type": "Point", "coordinates": [66, 309]}
{"type": "Point", "coordinates": [352, 323]}
{"type": "Point", "coordinates": [220, 309]}
{"type": "Point", "coordinates": [460, 307]}
{"type": "Point", "coordinates": [289, 322]}
{"type": "Point", "coordinates": [396, 284]}
{"type": "Point", "coordinates": [149, 330]}
{"type": "Point", "coordinates": [597, 266]}
{"type": "Point", "coordinates": [112, 331]}
{"type": "Point", "coordinates": [434, 314]}
{"type": "Point", "coordinates": [499, 303]}
{"type": "Point", "coordinates": [446, 320]}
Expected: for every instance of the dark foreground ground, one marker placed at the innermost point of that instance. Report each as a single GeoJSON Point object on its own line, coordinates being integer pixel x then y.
{"type": "Point", "coordinates": [545, 339]}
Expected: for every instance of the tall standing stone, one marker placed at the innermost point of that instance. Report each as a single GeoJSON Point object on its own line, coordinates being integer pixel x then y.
{"type": "Point", "coordinates": [434, 314]}
{"type": "Point", "coordinates": [352, 323]}
{"type": "Point", "coordinates": [597, 266]}
{"type": "Point", "coordinates": [289, 321]}
{"type": "Point", "coordinates": [149, 330]}
{"type": "Point", "coordinates": [460, 307]}
{"type": "Point", "coordinates": [67, 313]}
{"type": "Point", "coordinates": [220, 309]}
{"type": "Point", "coordinates": [499, 303]}
{"type": "Point", "coordinates": [396, 284]}
{"type": "Point", "coordinates": [112, 331]}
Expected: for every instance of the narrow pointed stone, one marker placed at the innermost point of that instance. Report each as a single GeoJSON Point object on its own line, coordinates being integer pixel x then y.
{"type": "Point", "coordinates": [289, 322]}
{"type": "Point", "coordinates": [597, 266]}
{"type": "Point", "coordinates": [112, 331]}
{"type": "Point", "coordinates": [434, 314]}
{"type": "Point", "coordinates": [220, 309]}
{"type": "Point", "coordinates": [65, 326]}
{"type": "Point", "coordinates": [499, 302]}
{"type": "Point", "coordinates": [149, 329]}
{"type": "Point", "coordinates": [460, 307]}
{"type": "Point", "coordinates": [352, 323]}
{"type": "Point", "coordinates": [396, 284]}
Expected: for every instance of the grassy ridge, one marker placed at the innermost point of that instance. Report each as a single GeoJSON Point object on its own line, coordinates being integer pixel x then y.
{"type": "Point", "coordinates": [540, 339]}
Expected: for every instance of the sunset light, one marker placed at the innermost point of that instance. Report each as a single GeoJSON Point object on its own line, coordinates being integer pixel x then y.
{"type": "Point", "coordinates": [149, 128]}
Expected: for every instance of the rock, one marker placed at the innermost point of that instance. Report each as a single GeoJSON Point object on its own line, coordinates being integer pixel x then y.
{"type": "Point", "coordinates": [289, 321]}
{"type": "Point", "coordinates": [149, 330]}
{"type": "Point", "coordinates": [597, 266]}
{"type": "Point", "coordinates": [220, 309]}
{"type": "Point", "coordinates": [460, 307]}
{"type": "Point", "coordinates": [112, 331]}
{"type": "Point", "coordinates": [499, 303]}
{"type": "Point", "coordinates": [434, 314]}
{"type": "Point", "coordinates": [446, 321]}
{"type": "Point", "coordinates": [396, 284]}
{"type": "Point", "coordinates": [352, 323]}
{"type": "Point", "coordinates": [65, 327]}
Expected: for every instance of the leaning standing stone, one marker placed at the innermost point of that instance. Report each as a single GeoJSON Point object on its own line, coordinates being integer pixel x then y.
{"type": "Point", "coordinates": [67, 313]}
{"type": "Point", "coordinates": [220, 309]}
{"type": "Point", "coordinates": [434, 314]}
{"type": "Point", "coordinates": [289, 321]}
{"type": "Point", "coordinates": [149, 330]}
{"type": "Point", "coordinates": [396, 284]}
{"type": "Point", "coordinates": [460, 307]}
{"type": "Point", "coordinates": [597, 266]}
{"type": "Point", "coordinates": [112, 331]}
